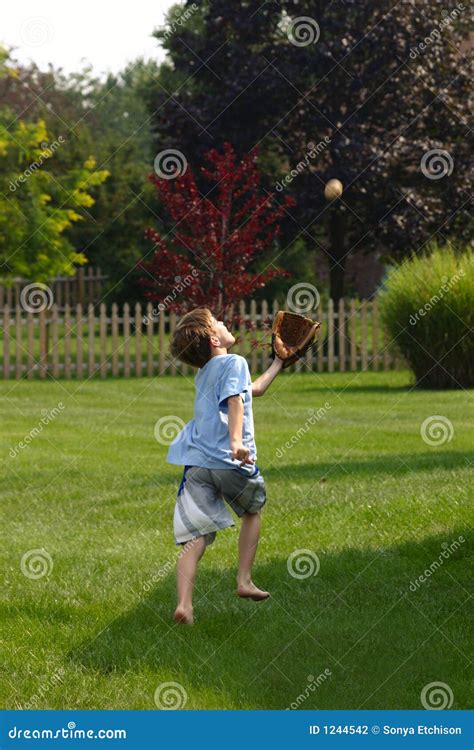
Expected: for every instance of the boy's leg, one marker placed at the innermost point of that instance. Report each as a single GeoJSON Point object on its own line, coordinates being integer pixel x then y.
{"type": "Point", "coordinates": [185, 577]}
{"type": "Point", "coordinates": [248, 542]}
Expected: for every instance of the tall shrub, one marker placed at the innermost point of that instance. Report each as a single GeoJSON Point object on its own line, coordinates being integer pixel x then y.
{"type": "Point", "coordinates": [427, 307]}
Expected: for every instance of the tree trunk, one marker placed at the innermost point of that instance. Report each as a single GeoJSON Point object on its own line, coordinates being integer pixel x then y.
{"type": "Point", "coordinates": [337, 261]}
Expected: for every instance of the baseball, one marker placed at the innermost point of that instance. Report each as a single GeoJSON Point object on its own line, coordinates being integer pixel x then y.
{"type": "Point", "coordinates": [333, 190]}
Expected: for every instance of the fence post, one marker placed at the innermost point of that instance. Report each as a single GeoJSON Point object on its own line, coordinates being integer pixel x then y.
{"type": "Point", "coordinates": [43, 355]}
{"type": "Point", "coordinates": [353, 336]}
{"type": "Point", "coordinates": [161, 342]}
{"type": "Point", "coordinates": [320, 346]}
{"type": "Point", "coordinates": [375, 336]}
{"type": "Point", "coordinates": [342, 335]}
{"type": "Point", "coordinates": [149, 340]}
{"type": "Point", "coordinates": [103, 340]}
{"type": "Point", "coordinates": [330, 336]}
{"type": "Point", "coordinates": [67, 341]}
{"type": "Point", "coordinates": [115, 324]}
{"type": "Point", "coordinates": [6, 342]}
{"type": "Point", "coordinates": [138, 340]}
{"type": "Point", "coordinates": [172, 320]}
{"type": "Point", "coordinates": [126, 340]}
{"type": "Point", "coordinates": [91, 342]}
{"type": "Point", "coordinates": [55, 341]}
{"type": "Point", "coordinates": [18, 343]}
{"type": "Point", "coordinates": [31, 343]}
{"type": "Point", "coordinates": [79, 342]}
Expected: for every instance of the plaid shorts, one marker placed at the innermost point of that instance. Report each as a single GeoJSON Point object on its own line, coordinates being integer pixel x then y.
{"type": "Point", "coordinates": [200, 508]}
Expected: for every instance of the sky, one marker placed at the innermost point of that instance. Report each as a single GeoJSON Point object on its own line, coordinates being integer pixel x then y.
{"type": "Point", "coordinates": [106, 33]}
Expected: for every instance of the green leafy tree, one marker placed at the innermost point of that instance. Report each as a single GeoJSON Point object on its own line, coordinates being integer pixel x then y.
{"type": "Point", "coordinates": [37, 204]}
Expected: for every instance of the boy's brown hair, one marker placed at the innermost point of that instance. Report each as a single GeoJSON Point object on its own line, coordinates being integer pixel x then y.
{"type": "Point", "coordinates": [190, 342]}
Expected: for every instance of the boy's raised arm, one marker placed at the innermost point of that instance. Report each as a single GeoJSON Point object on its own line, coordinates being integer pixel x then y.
{"type": "Point", "coordinates": [260, 385]}
{"type": "Point", "coordinates": [235, 414]}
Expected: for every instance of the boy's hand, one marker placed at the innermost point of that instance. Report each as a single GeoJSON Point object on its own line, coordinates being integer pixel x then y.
{"type": "Point", "coordinates": [242, 454]}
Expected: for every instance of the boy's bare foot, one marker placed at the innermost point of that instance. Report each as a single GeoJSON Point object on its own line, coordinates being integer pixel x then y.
{"type": "Point", "coordinates": [184, 615]}
{"type": "Point", "coordinates": [250, 591]}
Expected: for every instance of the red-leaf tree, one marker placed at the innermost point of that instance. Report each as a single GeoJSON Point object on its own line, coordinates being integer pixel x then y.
{"type": "Point", "coordinates": [207, 254]}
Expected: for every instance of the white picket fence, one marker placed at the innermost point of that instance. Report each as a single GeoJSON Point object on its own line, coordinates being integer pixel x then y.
{"type": "Point", "coordinates": [78, 342]}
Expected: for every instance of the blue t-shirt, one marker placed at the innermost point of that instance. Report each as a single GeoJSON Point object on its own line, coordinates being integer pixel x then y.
{"type": "Point", "coordinates": [204, 441]}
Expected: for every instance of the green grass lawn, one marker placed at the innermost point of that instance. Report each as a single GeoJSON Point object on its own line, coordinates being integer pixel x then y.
{"type": "Point", "coordinates": [359, 488]}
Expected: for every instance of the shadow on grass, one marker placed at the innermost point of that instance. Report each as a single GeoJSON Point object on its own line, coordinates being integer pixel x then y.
{"type": "Point", "coordinates": [391, 465]}
{"type": "Point", "coordinates": [357, 618]}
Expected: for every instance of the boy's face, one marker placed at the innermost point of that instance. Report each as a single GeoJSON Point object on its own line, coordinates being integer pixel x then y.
{"type": "Point", "coordinates": [222, 337]}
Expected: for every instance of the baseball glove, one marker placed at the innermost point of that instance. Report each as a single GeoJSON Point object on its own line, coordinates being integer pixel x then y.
{"type": "Point", "coordinates": [292, 335]}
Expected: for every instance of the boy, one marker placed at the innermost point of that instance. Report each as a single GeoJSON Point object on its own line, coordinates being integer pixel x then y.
{"type": "Point", "coordinates": [218, 452]}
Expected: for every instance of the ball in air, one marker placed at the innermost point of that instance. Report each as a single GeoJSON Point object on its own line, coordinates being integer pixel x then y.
{"type": "Point", "coordinates": [333, 189]}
